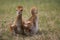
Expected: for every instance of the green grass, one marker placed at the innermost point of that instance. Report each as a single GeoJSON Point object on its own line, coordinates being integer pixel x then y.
{"type": "Point", "coordinates": [48, 13]}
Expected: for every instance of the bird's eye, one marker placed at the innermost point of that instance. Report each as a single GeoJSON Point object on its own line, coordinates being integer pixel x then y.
{"type": "Point", "coordinates": [28, 23]}
{"type": "Point", "coordinates": [21, 10]}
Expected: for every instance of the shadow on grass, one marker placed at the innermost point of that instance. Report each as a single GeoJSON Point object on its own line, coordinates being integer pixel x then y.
{"type": "Point", "coordinates": [1, 38]}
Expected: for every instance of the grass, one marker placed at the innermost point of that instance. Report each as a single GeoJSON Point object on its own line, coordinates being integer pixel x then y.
{"type": "Point", "coordinates": [48, 13]}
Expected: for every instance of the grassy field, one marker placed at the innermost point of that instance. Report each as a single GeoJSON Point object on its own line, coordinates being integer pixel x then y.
{"type": "Point", "coordinates": [48, 13]}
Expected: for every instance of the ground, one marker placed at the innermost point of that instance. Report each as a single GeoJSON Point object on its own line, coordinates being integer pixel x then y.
{"type": "Point", "coordinates": [48, 13]}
